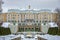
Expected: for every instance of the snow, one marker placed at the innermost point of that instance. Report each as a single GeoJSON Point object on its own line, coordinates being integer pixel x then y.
{"type": "Point", "coordinates": [9, 37]}
{"type": "Point", "coordinates": [46, 36]}
{"type": "Point", "coordinates": [5, 24]}
{"type": "Point", "coordinates": [52, 24]}
{"type": "Point", "coordinates": [50, 37]}
{"type": "Point", "coordinates": [15, 37]}
{"type": "Point", "coordinates": [22, 36]}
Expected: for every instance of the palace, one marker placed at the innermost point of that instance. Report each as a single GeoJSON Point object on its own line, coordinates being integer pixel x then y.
{"type": "Point", "coordinates": [29, 19]}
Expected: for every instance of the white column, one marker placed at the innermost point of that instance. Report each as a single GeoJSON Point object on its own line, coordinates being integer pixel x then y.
{"type": "Point", "coordinates": [41, 18]}
{"type": "Point", "coordinates": [51, 17]}
{"type": "Point", "coordinates": [7, 17]}
{"type": "Point", "coordinates": [48, 17]}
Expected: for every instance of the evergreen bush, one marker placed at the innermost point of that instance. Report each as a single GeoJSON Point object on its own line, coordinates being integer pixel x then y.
{"type": "Point", "coordinates": [4, 31]}
{"type": "Point", "coordinates": [53, 31]}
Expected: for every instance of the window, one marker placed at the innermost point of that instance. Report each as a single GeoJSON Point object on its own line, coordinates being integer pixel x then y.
{"type": "Point", "coordinates": [8, 15]}
{"type": "Point", "coordinates": [39, 24]}
{"type": "Point", "coordinates": [13, 17]}
{"type": "Point", "coordinates": [45, 21]}
{"type": "Point", "coordinates": [18, 15]}
{"type": "Point", "coordinates": [18, 21]}
{"type": "Point", "coordinates": [36, 21]}
{"type": "Point", "coordinates": [49, 21]}
{"type": "Point", "coordinates": [23, 23]}
{"type": "Point", "coordinates": [8, 20]}
{"type": "Point", "coordinates": [40, 21]}
{"type": "Point", "coordinates": [19, 24]}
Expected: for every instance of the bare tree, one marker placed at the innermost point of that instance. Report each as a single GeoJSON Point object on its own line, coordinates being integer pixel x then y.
{"type": "Point", "coordinates": [57, 10]}
{"type": "Point", "coordinates": [58, 18]}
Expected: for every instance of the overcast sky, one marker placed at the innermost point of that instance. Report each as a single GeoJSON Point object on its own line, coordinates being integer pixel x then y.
{"type": "Point", "coordinates": [35, 4]}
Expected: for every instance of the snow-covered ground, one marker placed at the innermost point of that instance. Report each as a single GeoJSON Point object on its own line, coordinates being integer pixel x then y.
{"type": "Point", "coordinates": [50, 37]}
{"type": "Point", "coordinates": [28, 39]}
{"type": "Point", "coordinates": [46, 36]}
{"type": "Point", "coordinates": [9, 37]}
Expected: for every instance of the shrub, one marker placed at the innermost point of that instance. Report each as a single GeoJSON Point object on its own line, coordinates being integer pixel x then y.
{"type": "Point", "coordinates": [4, 31]}
{"type": "Point", "coordinates": [58, 32]}
{"type": "Point", "coordinates": [53, 31]}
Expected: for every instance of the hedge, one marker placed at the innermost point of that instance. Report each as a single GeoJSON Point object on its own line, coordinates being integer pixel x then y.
{"type": "Point", "coordinates": [54, 31]}
{"type": "Point", "coordinates": [58, 32]}
{"type": "Point", "coordinates": [4, 31]}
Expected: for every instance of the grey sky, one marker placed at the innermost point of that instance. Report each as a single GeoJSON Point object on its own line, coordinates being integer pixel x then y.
{"type": "Point", "coordinates": [35, 4]}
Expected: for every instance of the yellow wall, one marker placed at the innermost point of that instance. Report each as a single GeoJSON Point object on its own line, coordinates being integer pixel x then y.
{"type": "Point", "coordinates": [3, 17]}
{"type": "Point", "coordinates": [42, 16]}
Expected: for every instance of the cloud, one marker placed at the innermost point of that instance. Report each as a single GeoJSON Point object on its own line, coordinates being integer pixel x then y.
{"type": "Point", "coordinates": [34, 3]}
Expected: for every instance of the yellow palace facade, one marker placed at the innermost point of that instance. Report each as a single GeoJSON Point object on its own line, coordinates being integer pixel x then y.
{"type": "Point", "coordinates": [29, 19]}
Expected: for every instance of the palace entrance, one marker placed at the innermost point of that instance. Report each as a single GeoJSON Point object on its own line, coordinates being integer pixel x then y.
{"type": "Point", "coordinates": [29, 29]}
{"type": "Point", "coordinates": [29, 25]}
